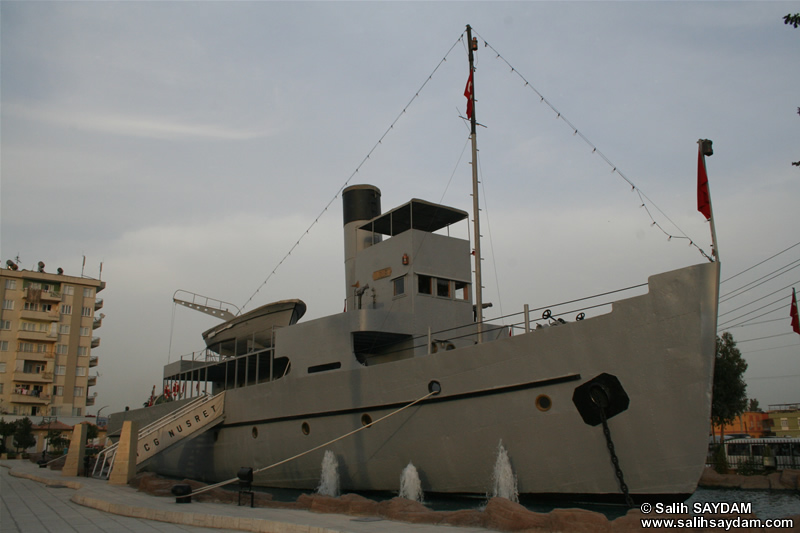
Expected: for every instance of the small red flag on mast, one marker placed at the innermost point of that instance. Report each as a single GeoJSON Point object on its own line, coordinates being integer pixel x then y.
{"type": "Point", "coordinates": [794, 315]}
{"type": "Point", "coordinates": [703, 196]}
{"type": "Point", "coordinates": [468, 94]}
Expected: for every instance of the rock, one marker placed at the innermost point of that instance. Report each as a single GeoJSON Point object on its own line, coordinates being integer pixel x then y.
{"type": "Point", "coordinates": [405, 510]}
{"type": "Point", "coordinates": [359, 505]}
{"type": "Point", "coordinates": [578, 521]}
{"type": "Point", "coordinates": [505, 515]}
{"type": "Point", "coordinates": [754, 482]}
{"type": "Point", "coordinates": [463, 518]}
{"type": "Point", "coordinates": [791, 479]}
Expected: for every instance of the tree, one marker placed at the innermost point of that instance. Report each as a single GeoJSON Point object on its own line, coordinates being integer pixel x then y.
{"type": "Point", "coordinates": [753, 407]}
{"type": "Point", "coordinates": [23, 436]}
{"type": "Point", "coordinates": [6, 430]}
{"type": "Point", "coordinates": [792, 20]}
{"type": "Point", "coordinates": [729, 398]}
{"type": "Point", "coordinates": [56, 439]}
{"type": "Point", "coordinates": [92, 432]}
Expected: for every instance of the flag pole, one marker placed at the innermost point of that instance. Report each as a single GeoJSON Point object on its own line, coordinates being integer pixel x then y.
{"type": "Point", "coordinates": [470, 93]}
{"type": "Point", "coordinates": [705, 149]}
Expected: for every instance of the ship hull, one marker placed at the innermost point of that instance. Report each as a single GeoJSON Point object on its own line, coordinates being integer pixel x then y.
{"type": "Point", "coordinates": [659, 346]}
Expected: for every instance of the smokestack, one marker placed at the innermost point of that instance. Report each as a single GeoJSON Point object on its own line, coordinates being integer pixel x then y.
{"type": "Point", "coordinates": [360, 203]}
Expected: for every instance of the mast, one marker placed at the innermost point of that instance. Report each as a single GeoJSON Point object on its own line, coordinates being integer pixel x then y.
{"type": "Point", "coordinates": [472, 45]}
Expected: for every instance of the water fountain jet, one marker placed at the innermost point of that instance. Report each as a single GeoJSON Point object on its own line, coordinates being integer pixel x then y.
{"type": "Point", "coordinates": [504, 481]}
{"type": "Point", "coordinates": [329, 479]}
{"type": "Point", "coordinates": [410, 484]}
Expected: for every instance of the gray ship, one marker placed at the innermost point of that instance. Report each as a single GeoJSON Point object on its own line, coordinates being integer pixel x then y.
{"type": "Point", "coordinates": [602, 408]}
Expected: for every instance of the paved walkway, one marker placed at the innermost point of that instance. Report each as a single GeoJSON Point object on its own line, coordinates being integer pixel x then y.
{"type": "Point", "coordinates": [40, 500]}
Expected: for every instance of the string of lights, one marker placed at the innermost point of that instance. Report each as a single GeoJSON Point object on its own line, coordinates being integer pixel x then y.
{"type": "Point", "coordinates": [646, 202]}
{"type": "Point", "coordinates": [353, 174]}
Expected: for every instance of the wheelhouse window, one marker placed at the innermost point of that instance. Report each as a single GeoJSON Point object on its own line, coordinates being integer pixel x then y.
{"type": "Point", "coordinates": [399, 285]}
{"type": "Point", "coordinates": [462, 290]}
{"type": "Point", "coordinates": [424, 284]}
{"type": "Point", "coordinates": [442, 288]}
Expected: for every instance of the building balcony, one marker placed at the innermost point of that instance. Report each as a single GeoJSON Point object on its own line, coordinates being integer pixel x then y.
{"type": "Point", "coordinates": [41, 336]}
{"type": "Point", "coordinates": [41, 296]}
{"type": "Point", "coordinates": [30, 397]}
{"type": "Point", "coordinates": [98, 321]}
{"type": "Point", "coordinates": [92, 381]}
{"type": "Point", "coordinates": [34, 377]}
{"type": "Point", "coordinates": [93, 361]}
{"type": "Point", "coordinates": [36, 356]}
{"type": "Point", "coordinates": [89, 401]}
{"type": "Point", "coordinates": [95, 342]}
{"type": "Point", "coordinates": [98, 304]}
{"type": "Point", "coordinates": [49, 316]}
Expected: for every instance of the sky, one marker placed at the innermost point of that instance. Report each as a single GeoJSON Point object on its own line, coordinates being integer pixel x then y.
{"type": "Point", "coordinates": [193, 145]}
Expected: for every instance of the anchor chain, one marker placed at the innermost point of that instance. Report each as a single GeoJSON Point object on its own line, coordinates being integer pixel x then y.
{"type": "Point", "coordinates": [600, 399]}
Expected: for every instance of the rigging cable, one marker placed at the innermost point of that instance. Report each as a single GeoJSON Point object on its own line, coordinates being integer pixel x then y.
{"type": "Point", "coordinates": [363, 427]}
{"type": "Point", "coordinates": [353, 174]}
{"type": "Point", "coordinates": [614, 169]}
{"type": "Point", "coordinates": [761, 263]}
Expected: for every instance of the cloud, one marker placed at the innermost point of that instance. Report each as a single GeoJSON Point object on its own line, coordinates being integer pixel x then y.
{"type": "Point", "coordinates": [143, 126]}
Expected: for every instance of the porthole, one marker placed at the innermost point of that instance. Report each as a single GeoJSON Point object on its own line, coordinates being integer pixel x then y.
{"type": "Point", "coordinates": [305, 428]}
{"type": "Point", "coordinates": [366, 419]}
{"type": "Point", "coordinates": [543, 402]}
{"type": "Point", "coordinates": [255, 432]}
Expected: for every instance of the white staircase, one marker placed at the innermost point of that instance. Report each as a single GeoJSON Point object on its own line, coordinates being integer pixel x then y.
{"type": "Point", "coordinates": [185, 423]}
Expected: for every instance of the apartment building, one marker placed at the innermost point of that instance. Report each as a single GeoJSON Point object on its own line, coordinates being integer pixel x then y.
{"type": "Point", "coordinates": [47, 339]}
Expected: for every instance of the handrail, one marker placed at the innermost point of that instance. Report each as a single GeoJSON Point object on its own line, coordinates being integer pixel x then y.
{"type": "Point", "coordinates": [148, 430]}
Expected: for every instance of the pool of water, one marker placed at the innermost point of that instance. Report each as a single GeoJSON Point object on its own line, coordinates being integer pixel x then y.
{"type": "Point", "coordinates": [765, 504]}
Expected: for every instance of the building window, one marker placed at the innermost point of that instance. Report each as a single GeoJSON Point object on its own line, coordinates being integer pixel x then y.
{"type": "Point", "coordinates": [28, 306]}
{"type": "Point", "coordinates": [58, 390]}
{"type": "Point", "coordinates": [25, 347]}
{"type": "Point", "coordinates": [87, 311]}
{"type": "Point", "coordinates": [85, 332]}
{"type": "Point", "coordinates": [55, 411]}
{"type": "Point", "coordinates": [5, 324]}
{"type": "Point", "coordinates": [77, 392]}
{"type": "Point", "coordinates": [63, 329]}
{"type": "Point", "coordinates": [1, 388]}
{"type": "Point", "coordinates": [62, 349]}
{"type": "Point", "coordinates": [80, 370]}
{"type": "Point", "coordinates": [88, 292]}
{"type": "Point", "coordinates": [83, 350]}
{"type": "Point", "coordinates": [69, 290]}
{"type": "Point", "coordinates": [41, 348]}
{"type": "Point", "coordinates": [66, 309]}
{"type": "Point", "coordinates": [424, 284]}
{"type": "Point", "coordinates": [11, 284]}
{"type": "Point", "coordinates": [2, 368]}
{"type": "Point", "coordinates": [3, 346]}
{"type": "Point", "coordinates": [399, 285]}
{"type": "Point", "coordinates": [784, 424]}
{"type": "Point", "coordinates": [8, 304]}
{"type": "Point", "coordinates": [61, 370]}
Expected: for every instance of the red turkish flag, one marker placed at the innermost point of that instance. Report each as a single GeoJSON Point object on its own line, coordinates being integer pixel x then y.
{"type": "Point", "coordinates": [468, 94]}
{"type": "Point", "coordinates": [703, 196]}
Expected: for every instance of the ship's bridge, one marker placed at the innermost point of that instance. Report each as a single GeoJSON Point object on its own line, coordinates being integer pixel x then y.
{"type": "Point", "coordinates": [416, 214]}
